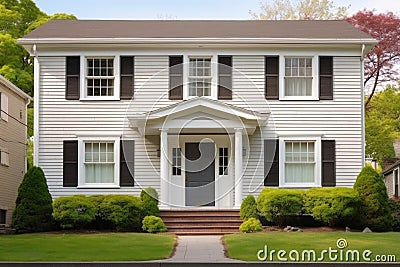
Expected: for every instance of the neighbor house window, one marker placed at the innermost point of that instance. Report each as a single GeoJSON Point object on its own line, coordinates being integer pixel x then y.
{"type": "Point", "coordinates": [99, 162]}
{"type": "Point", "coordinates": [4, 158]}
{"type": "Point", "coordinates": [223, 161]}
{"type": "Point", "coordinates": [3, 106]}
{"type": "Point", "coordinates": [200, 77]}
{"type": "Point", "coordinates": [299, 162]}
{"type": "Point", "coordinates": [176, 161]}
{"type": "Point", "coordinates": [100, 77]}
{"type": "Point", "coordinates": [3, 216]}
{"type": "Point", "coordinates": [298, 77]}
{"type": "Point", "coordinates": [396, 182]}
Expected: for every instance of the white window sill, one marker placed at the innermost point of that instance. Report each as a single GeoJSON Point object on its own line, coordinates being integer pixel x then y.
{"type": "Point", "coordinates": [299, 185]}
{"type": "Point", "coordinates": [297, 98]}
{"type": "Point", "coordinates": [98, 186]}
{"type": "Point", "coordinates": [99, 98]}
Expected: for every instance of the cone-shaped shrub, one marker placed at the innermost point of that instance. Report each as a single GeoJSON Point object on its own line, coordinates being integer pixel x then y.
{"type": "Point", "coordinates": [33, 211]}
{"type": "Point", "coordinates": [375, 211]}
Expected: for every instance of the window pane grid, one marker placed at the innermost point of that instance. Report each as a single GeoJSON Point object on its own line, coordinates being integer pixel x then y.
{"type": "Point", "coordinates": [176, 161]}
{"type": "Point", "coordinates": [299, 162]}
{"type": "Point", "coordinates": [298, 76]}
{"type": "Point", "coordinates": [100, 77]}
{"type": "Point", "coordinates": [99, 162]}
{"type": "Point", "coordinates": [200, 77]}
{"type": "Point", "coordinates": [223, 161]}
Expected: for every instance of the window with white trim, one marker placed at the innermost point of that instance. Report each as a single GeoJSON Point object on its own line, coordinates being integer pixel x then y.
{"type": "Point", "coordinates": [176, 161]}
{"type": "Point", "coordinates": [200, 76]}
{"type": "Point", "coordinates": [300, 162]}
{"type": "Point", "coordinates": [298, 76]}
{"type": "Point", "coordinates": [99, 162]}
{"type": "Point", "coordinates": [3, 107]}
{"type": "Point", "coordinates": [223, 161]}
{"type": "Point", "coordinates": [4, 158]}
{"type": "Point", "coordinates": [100, 77]}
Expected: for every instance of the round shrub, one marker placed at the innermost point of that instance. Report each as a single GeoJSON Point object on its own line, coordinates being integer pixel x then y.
{"type": "Point", "coordinates": [277, 204]}
{"type": "Point", "coordinates": [153, 224]}
{"type": "Point", "coordinates": [375, 211]}
{"type": "Point", "coordinates": [394, 205]}
{"type": "Point", "coordinates": [333, 206]}
{"type": "Point", "coordinates": [250, 226]}
{"type": "Point", "coordinates": [33, 210]}
{"type": "Point", "coordinates": [123, 211]}
{"type": "Point", "coordinates": [74, 212]}
{"type": "Point", "coordinates": [248, 209]}
{"type": "Point", "coordinates": [149, 198]}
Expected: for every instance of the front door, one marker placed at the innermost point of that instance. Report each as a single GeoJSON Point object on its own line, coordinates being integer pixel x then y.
{"type": "Point", "coordinates": [200, 174]}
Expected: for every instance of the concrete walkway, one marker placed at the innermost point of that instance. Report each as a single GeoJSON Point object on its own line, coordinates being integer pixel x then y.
{"type": "Point", "coordinates": [200, 249]}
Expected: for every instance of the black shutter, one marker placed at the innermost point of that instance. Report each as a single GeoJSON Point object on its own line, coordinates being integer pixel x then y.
{"type": "Point", "coordinates": [271, 162]}
{"type": "Point", "coordinates": [272, 77]}
{"type": "Point", "coordinates": [127, 74]}
{"type": "Point", "coordinates": [73, 70]}
{"type": "Point", "coordinates": [176, 77]}
{"type": "Point", "coordinates": [225, 77]}
{"type": "Point", "coordinates": [326, 78]}
{"type": "Point", "coordinates": [127, 163]}
{"type": "Point", "coordinates": [328, 163]}
{"type": "Point", "coordinates": [70, 163]}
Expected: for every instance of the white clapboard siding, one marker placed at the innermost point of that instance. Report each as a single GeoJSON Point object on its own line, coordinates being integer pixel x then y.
{"type": "Point", "coordinates": [60, 119]}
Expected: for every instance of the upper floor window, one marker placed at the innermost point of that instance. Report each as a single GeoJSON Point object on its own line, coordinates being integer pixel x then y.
{"type": "Point", "coordinates": [100, 77]}
{"type": "Point", "coordinates": [200, 77]}
{"type": "Point", "coordinates": [4, 158]}
{"type": "Point", "coordinates": [3, 106]}
{"type": "Point", "coordinates": [298, 76]}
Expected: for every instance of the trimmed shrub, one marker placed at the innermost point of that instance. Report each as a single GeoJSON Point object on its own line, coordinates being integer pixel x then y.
{"type": "Point", "coordinates": [153, 224]}
{"type": "Point", "coordinates": [248, 209]}
{"type": "Point", "coordinates": [33, 210]}
{"type": "Point", "coordinates": [74, 212]}
{"type": "Point", "coordinates": [149, 198]}
{"type": "Point", "coordinates": [250, 226]}
{"type": "Point", "coordinates": [277, 204]}
{"type": "Point", "coordinates": [394, 205]}
{"type": "Point", "coordinates": [123, 211]}
{"type": "Point", "coordinates": [333, 206]}
{"type": "Point", "coordinates": [375, 211]}
{"type": "Point", "coordinates": [98, 222]}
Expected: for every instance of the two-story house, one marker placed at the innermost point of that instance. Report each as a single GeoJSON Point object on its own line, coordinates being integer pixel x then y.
{"type": "Point", "coordinates": [13, 132]}
{"type": "Point", "coordinates": [206, 112]}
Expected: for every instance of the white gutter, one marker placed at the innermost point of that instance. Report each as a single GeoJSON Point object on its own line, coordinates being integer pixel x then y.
{"type": "Point", "coordinates": [23, 41]}
{"type": "Point", "coordinates": [36, 97]}
{"type": "Point", "coordinates": [362, 105]}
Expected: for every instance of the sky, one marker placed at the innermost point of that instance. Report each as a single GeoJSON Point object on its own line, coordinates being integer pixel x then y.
{"type": "Point", "coordinates": [183, 9]}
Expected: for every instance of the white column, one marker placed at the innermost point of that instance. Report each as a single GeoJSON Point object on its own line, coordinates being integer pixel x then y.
{"type": "Point", "coordinates": [164, 167]}
{"type": "Point", "coordinates": [238, 167]}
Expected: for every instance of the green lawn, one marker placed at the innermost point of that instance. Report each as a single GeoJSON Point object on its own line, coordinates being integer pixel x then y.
{"type": "Point", "coordinates": [246, 246]}
{"type": "Point", "coordinates": [85, 247]}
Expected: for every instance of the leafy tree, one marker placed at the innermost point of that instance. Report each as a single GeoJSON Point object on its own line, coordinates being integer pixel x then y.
{"type": "Point", "coordinates": [375, 211]}
{"type": "Point", "coordinates": [379, 62]}
{"type": "Point", "coordinates": [299, 10]}
{"type": "Point", "coordinates": [33, 210]}
{"type": "Point", "coordinates": [382, 123]}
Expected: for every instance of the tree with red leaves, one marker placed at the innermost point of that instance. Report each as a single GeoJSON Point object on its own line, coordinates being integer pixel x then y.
{"type": "Point", "coordinates": [380, 61]}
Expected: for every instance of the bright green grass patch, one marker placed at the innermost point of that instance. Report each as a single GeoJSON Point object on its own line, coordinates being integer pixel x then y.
{"type": "Point", "coordinates": [85, 247]}
{"type": "Point", "coordinates": [246, 246]}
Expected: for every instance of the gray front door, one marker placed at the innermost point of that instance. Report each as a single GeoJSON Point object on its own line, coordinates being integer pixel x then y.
{"type": "Point", "coordinates": [200, 174]}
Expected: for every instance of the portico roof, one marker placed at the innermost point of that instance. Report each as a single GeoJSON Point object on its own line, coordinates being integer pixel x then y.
{"type": "Point", "coordinates": [198, 115]}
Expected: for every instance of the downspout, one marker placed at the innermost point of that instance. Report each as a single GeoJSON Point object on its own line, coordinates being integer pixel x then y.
{"type": "Point", "coordinates": [362, 105]}
{"type": "Point", "coordinates": [36, 97]}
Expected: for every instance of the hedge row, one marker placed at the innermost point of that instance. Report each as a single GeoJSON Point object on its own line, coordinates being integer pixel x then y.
{"type": "Point", "coordinates": [120, 212]}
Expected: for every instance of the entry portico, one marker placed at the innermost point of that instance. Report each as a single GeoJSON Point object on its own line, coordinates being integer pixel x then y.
{"type": "Point", "coordinates": [201, 146]}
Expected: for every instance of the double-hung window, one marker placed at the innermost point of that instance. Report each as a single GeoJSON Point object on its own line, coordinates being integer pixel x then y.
{"type": "Point", "coordinates": [300, 162]}
{"type": "Point", "coordinates": [100, 77]}
{"type": "Point", "coordinates": [99, 162]}
{"type": "Point", "coordinates": [200, 76]}
{"type": "Point", "coordinates": [298, 77]}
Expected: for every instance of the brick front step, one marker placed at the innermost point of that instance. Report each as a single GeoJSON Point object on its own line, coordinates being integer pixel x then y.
{"type": "Point", "coordinates": [201, 222]}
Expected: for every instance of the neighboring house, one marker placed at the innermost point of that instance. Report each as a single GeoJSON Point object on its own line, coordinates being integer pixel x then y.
{"type": "Point", "coordinates": [13, 139]}
{"type": "Point", "coordinates": [206, 112]}
{"type": "Point", "coordinates": [391, 171]}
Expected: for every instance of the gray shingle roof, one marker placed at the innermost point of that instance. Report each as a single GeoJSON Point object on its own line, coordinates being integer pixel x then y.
{"type": "Point", "coordinates": [309, 29]}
